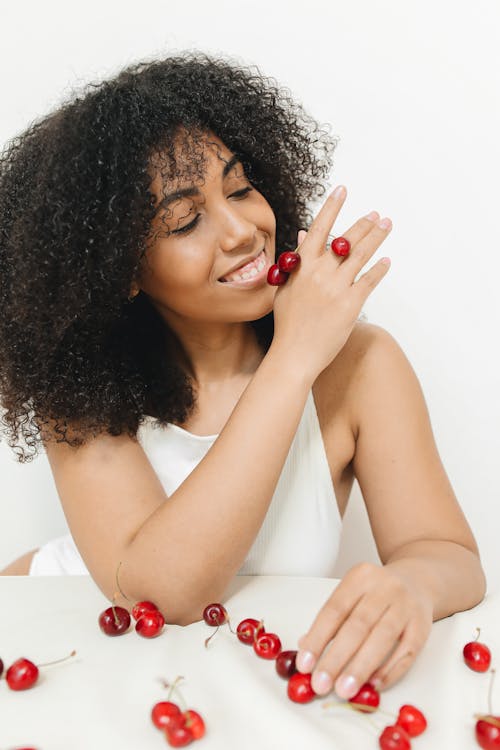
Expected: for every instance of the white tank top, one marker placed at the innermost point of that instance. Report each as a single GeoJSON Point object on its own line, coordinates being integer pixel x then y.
{"type": "Point", "coordinates": [301, 531]}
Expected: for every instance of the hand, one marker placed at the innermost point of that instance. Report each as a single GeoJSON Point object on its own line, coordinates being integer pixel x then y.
{"type": "Point", "coordinates": [374, 624]}
{"type": "Point", "coordinates": [315, 311]}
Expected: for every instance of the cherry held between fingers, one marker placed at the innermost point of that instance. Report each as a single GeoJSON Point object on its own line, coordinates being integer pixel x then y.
{"type": "Point", "coordinates": [275, 276]}
{"type": "Point", "coordinates": [341, 246]}
{"type": "Point", "coordinates": [288, 261]}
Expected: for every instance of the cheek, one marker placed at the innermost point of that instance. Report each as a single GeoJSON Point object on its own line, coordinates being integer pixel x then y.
{"type": "Point", "coordinates": [177, 267]}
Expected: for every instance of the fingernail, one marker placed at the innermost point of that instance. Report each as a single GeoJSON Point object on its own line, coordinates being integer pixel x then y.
{"type": "Point", "coordinates": [339, 191]}
{"type": "Point", "coordinates": [346, 686]}
{"type": "Point", "coordinates": [376, 682]}
{"type": "Point", "coordinates": [321, 683]}
{"type": "Point", "coordinates": [384, 223]}
{"type": "Point", "coordinates": [372, 215]}
{"type": "Point", "coordinates": [304, 661]}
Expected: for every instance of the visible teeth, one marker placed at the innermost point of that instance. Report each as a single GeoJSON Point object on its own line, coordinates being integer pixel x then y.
{"type": "Point", "coordinates": [254, 268]}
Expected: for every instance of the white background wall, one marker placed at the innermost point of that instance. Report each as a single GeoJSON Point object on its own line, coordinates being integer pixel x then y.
{"type": "Point", "coordinates": [412, 89]}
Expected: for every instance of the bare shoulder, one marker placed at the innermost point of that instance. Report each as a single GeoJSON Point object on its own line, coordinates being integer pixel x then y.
{"type": "Point", "coordinates": [365, 359]}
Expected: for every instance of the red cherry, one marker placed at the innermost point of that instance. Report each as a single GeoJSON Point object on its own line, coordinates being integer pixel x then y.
{"type": "Point", "coordinates": [267, 645]}
{"type": "Point", "coordinates": [248, 629]}
{"type": "Point", "coordinates": [114, 621]}
{"type": "Point", "coordinates": [141, 608]}
{"type": "Point", "coordinates": [488, 734]}
{"type": "Point", "coordinates": [150, 624]}
{"type": "Point", "coordinates": [215, 614]}
{"type": "Point", "coordinates": [22, 674]}
{"type": "Point", "coordinates": [299, 688]}
{"type": "Point", "coordinates": [412, 720]}
{"type": "Point", "coordinates": [275, 276]}
{"type": "Point", "coordinates": [162, 713]}
{"type": "Point", "coordinates": [341, 246]}
{"type": "Point", "coordinates": [288, 261]}
{"type": "Point", "coordinates": [367, 695]}
{"type": "Point", "coordinates": [178, 736]}
{"type": "Point", "coordinates": [477, 656]}
{"type": "Point", "coordinates": [194, 723]}
{"type": "Point", "coordinates": [394, 738]}
{"type": "Point", "coordinates": [285, 664]}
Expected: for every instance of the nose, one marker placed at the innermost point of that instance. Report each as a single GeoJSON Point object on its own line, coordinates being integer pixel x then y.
{"type": "Point", "coordinates": [235, 231]}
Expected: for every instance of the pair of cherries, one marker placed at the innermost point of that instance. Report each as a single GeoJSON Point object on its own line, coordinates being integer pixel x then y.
{"type": "Point", "coordinates": [116, 620]}
{"type": "Point", "coordinates": [180, 727]}
{"type": "Point", "coordinates": [288, 261]}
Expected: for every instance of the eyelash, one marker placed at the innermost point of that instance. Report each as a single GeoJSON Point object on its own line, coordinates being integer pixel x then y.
{"type": "Point", "coordinates": [191, 225]}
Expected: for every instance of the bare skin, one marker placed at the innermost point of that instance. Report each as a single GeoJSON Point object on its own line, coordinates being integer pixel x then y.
{"type": "Point", "coordinates": [373, 419]}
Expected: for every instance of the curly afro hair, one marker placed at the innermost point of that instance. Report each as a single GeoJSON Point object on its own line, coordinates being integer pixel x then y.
{"type": "Point", "coordinates": [76, 210]}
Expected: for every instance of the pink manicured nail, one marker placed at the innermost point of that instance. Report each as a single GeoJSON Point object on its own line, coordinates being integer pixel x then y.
{"type": "Point", "coordinates": [321, 683]}
{"type": "Point", "coordinates": [346, 686]}
{"type": "Point", "coordinates": [385, 223]}
{"type": "Point", "coordinates": [304, 661]}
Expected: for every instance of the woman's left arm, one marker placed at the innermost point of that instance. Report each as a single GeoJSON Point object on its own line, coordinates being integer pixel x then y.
{"type": "Point", "coordinates": [379, 616]}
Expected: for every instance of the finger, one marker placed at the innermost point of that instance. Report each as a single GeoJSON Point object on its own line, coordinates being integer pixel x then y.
{"type": "Point", "coordinates": [317, 234]}
{"type": "Point", "coordinates": [330, 618]}
{"type": "Point", "coordinates": [369, 280]}
{"type": "Point", "coordinates": [362, 252]}
{"type": "Point", "coordinates": [401, 659]}
{"type": "Point", "coordinates": [348, 640]}
{"type": "Point", "coordinates": [354, 234]}
{"type": "Point", "coordinates": [378, 644]}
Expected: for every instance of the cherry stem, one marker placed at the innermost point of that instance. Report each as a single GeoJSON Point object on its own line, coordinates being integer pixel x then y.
{"type": "Point", "coordinates": [57, 661]}
{"type": "Point", "coordinates": [478, 633]}
{"type": "Point", "coordinates": [488, 719]}
{"type": "Point", "coordinates": [118, 585]}
{"type": "Point", "coordinates": [173, 687]}
{"type": "Point", "coordinates": [229, 626]}
{"type": "Point", "coordinates": [211, 636]}
{"type": "Point", "coordinates": [490, 689]}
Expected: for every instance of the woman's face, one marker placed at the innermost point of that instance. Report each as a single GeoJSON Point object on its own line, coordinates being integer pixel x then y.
{"type": "Point", "coordinates": [189, 271]}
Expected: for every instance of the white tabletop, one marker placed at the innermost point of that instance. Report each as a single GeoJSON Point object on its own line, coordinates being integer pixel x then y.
{"type": "Point", "coordinates": [102, 698]}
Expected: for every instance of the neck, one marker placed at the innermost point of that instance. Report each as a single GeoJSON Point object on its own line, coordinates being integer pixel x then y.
{"type": "Point", "coordinates": [214, 354]}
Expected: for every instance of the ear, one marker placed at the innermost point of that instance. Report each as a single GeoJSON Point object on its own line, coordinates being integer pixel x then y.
{"type": "Point", "coordinates": [134, 290]}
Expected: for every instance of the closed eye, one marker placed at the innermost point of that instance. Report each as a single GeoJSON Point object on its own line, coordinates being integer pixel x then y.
{"type": "Point", "coordinates": [192, 224]}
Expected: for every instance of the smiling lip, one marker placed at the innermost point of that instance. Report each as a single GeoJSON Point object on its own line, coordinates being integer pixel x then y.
{"type": "Point", "coordinates": [253, 280]}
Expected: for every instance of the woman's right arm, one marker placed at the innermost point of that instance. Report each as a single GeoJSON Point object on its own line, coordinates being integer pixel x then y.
{"type": "Point", "coordinates": [183, 551]}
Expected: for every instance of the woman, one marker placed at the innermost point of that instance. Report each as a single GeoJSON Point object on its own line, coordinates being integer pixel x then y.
{"type": "Point", "coordinates": [139, 222]}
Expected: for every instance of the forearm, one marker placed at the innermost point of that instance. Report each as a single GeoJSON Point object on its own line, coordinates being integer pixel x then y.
{"type": "Point", "coordinates": [187, 551]}
{"type": "Point", "coordinates": [450, 574]}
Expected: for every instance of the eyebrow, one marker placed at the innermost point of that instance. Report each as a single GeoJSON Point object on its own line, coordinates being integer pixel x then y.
{"type": "Point", "coordinates": [189, 191]}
